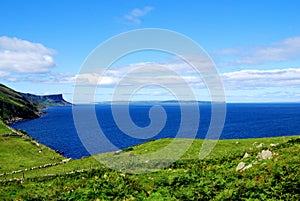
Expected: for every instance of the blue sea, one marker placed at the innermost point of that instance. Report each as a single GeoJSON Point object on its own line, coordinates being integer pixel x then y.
{"type": "Point", "coordinates": [56, 128]}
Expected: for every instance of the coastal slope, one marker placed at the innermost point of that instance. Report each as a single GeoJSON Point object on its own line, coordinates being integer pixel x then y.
{"type": "Point", "coordinates": [17, 106]}
{"type": "Point", "coordinates": [14, 106]}
{"type": "Point", "coordinates": [17, 149]}
{"type": "Point", "coordinates": [47, 100]}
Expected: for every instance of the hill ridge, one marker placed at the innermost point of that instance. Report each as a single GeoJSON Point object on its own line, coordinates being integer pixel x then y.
{"type": "Point", "coordinates": [17, 106]}
{"type": "Point", "coordinates": [47, 100]}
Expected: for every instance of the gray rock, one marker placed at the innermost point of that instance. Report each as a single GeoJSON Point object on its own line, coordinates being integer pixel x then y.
{"type": "Point", "coordinates": [260, 145]}
{"type": "Point", "coordinates": [247, 167]}
{"type": "Point", "coordinates": [118, 152]}
{"type": "Point", "coordinates": [246, 155]}
{"type": "Point", "coordinates": [273, 145]}
{"type": "Point", "coordinates": [265, 154]}
{"type": "Point", "coordinates": [66, 160]}
{"type": "Point", "coordinates": [240, 166]}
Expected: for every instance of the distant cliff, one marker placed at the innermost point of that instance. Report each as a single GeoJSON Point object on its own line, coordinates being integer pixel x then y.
{"type": "Point", "coordinates": [16, 106]}
{"type": "Point", "coordinates": [47, 100]}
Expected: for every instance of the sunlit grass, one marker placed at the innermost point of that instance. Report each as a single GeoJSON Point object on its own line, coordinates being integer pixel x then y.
{"type": "Point", "coordinates": [4, 129]}
{"type": "Point", "coordinates": [19, 153]}
{"type": "Point", "coordinates": [214, 177]}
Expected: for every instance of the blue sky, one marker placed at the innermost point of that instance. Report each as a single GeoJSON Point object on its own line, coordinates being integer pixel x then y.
{"type": "Point", "coordinates": [254, 44]}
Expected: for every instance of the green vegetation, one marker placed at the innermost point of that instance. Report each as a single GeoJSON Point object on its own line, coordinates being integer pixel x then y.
{"type": "Point", "coordinates": [13, 105]}
{"type": "Point", "coordinates": [18, 151]}
{"type": "Point", "coordinates": [213, 178]}
{"type": "Point", "coordinates": [47, 100]}
{"type": "Point", "coordinates": [16, 106]}
{"type": "Point", "coordinates": [4, 129]}
{"type": "Point", "coordinates": [21, 153]}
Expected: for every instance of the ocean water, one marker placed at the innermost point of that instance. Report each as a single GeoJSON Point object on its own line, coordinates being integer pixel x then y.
{"type": "Point", "coordinates": [56, 128]}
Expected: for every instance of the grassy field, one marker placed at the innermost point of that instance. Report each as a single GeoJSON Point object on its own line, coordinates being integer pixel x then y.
{"type": "Point", "coordinates": [189, 178]}
{"type": "Point", "coordinates": [22, 152]}
{"type": "Point", "coordinates": [4, 129]}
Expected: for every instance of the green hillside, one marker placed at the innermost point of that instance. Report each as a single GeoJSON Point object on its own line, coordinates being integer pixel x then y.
{"type": "Point", "coordinates": [17, 149]}
{"type": "Point", "coordinates": [20, 151]}
{"type": "Point", "coordinates": [14, 106]}
{"type": "Point", "coordinates": [213, 178]}
{"type": "Point", "coordinates": [47, 100]}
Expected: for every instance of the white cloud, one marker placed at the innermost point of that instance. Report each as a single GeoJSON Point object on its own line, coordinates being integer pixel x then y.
{"type": "Point", "coordinates": [249, 79]}
{"type": "Point", "coordinates": [136, 14]}
{"type": "Point", "coordinates": [44, 78]}
{"type": "Point", "coordinates": [94, 79]}
{"type": "Point", "coordinates": [22, 60]}
{"type": "Point", "coordinates": [21, 56]}
{"type": "Point", "coordinates": [284, 50]}
{"type": "Point", "coordinates": [53, 78]}
{"type": "Point", "coordinates": [243, 85]}
{"type": "Point", "coordinates": [227, 51]}
{"type": "Point", "coordinates": [4, 74]}
{"type": "Point", "coordinates": [143, 73]}
{"type": "Point", "coordinates": [164, 74]}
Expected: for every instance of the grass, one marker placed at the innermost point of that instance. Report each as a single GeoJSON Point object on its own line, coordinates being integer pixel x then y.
{"type": "Point", "coordinates": [157, 154]}
{"type": "Point", "coordinates": [123, 161]}
{"type": "Point", "coordinates": [10, 96]}
{"type": "Point", "coordinates": [4, 129]}
{"type": "Point", "coordinates": [19, 153]}
{"type": "Point", "coordinates": [189, 178]}
{"type": "Point", "coordinates": [222, 148]}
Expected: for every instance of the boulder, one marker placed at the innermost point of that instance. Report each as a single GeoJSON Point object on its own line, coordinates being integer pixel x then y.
{"type": "Point", "coordinates": [246, 155]}
{"type": "Point", "coordinates": [260, 145]}
{"type": "Point", "coordinates": [240, 166]}
{"type": "Point", "coordinates": [273, 145]}
{"type": "Point", "coordinates": [66, 160]}
{"type": "Point", "coordinates": [265, 154]}
{"type": "Point", "coordinates": [247, 167]}
{"type": "Point", "coordinates": [118, 152]}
